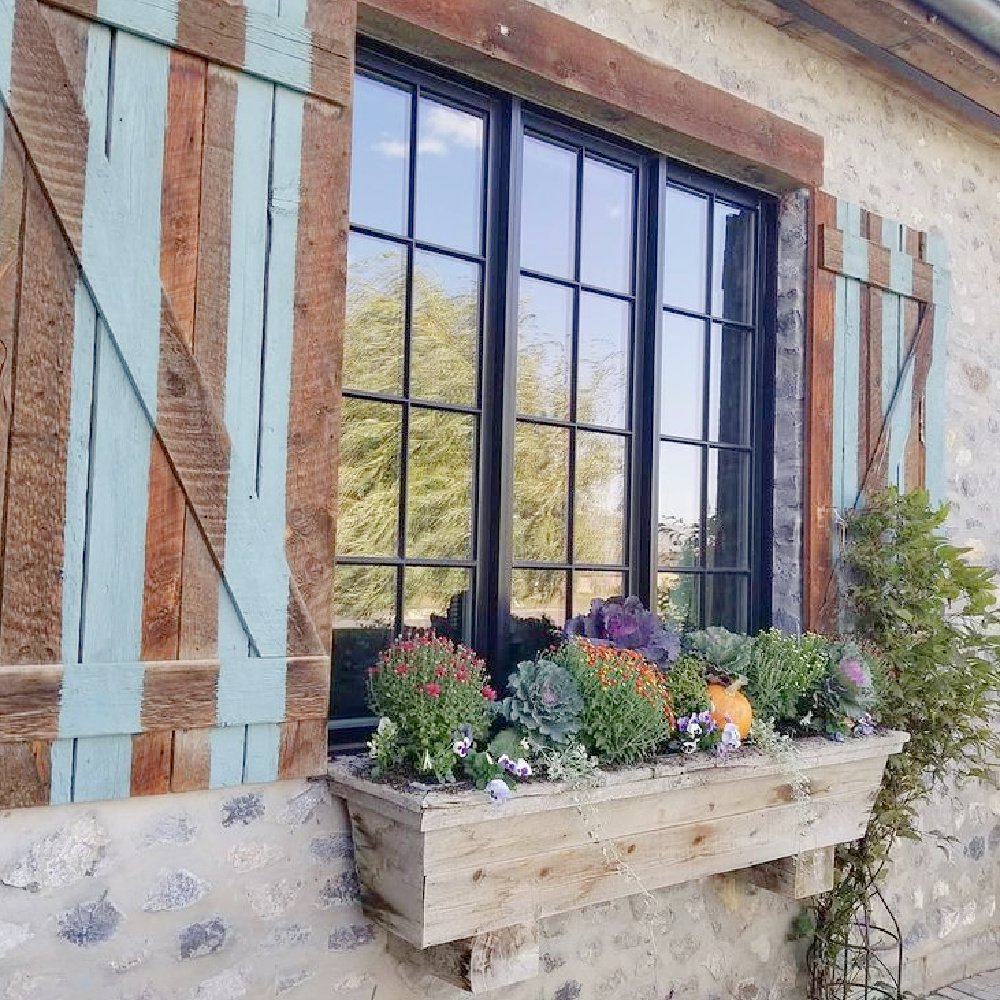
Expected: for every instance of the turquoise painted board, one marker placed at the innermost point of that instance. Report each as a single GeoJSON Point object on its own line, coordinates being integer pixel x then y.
{"type": "Point", "coordinates": [6, 45]}
{"type": "Point", "coordinates": [61, 763]}
{"type": "Point", "coordinates": [84, 363]}
{"type": "Point", "coordinates": [156, 20]}
{"type": "Point", "coordinates": [102, 768]}
{"type": "Point", "coordinates": [101, 699]}
{"type": "Point", "coordinates": [262, 749]}
{"type": "Point", "coordinates": [228, 750]}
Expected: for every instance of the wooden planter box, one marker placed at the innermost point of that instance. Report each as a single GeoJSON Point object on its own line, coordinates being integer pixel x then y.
{"type": "Point", "coordinates": [438, 866]}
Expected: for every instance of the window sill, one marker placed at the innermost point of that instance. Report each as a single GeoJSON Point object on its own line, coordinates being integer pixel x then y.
{"type": "Point", "coordinates": [451, 868]}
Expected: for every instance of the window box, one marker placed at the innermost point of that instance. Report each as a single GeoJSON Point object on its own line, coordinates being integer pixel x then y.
{"type": "Point", "coordinates": [438, 866]}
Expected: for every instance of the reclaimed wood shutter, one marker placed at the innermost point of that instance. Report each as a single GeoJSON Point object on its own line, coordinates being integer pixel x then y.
{"type": "Point", "coordinates": [173, 200]}
{"type": "Point", "coordinates": [876, 402]}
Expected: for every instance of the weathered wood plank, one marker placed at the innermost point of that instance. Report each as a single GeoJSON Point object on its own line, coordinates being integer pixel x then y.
{"type": "Point", "coordinates": [258, 43]}
{"type": "Point", "coordinates": [25, 774]}
{"type": "Point", "coordinates": [30, 616]}
{"type": "Point", "coordinates": [200, 593]}
{"type": "Point", "coordinates": [49, 114]}
{"type": "Point", "coordinates": [480, 963]}
{"type": "Point", "coordinates": [818, 538]}
{"type": "Point", "coordinates": [12, 205]}
{"type": "Point", "coordinates": [307, 687]}
{"type": "Point", "coordinates": [885, 268]}
{"type": "Point", "coordinates": [539, 55]}
{"type": "Point", "coordinates": [321, 281]}
{"type": "Point", "coordinates": [798, 877]}
{"type": "Point", "coordinates": [302, 752]}
{"type": "Point", "coordinates": [192, 760]}
{"type": "Point", "coordinates": [179, 695]}
{"type": "Point", "coordinates": [69, 33]}
{"type": "Point", "coordinates": [30, 699]}
{"type": "Point", "coordinates": [152, 761]}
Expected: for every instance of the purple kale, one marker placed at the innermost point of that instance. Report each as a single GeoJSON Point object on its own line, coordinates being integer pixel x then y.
{"type": "Point", "coordinates": [625, 623]}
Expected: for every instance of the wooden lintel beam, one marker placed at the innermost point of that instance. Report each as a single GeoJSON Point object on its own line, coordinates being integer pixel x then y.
{"type": "Point", "coordinates": [798, 877]}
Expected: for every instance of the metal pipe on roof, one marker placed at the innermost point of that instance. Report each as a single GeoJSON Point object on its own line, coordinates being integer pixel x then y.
{"type": "Point", "coordinates": [980, 19]}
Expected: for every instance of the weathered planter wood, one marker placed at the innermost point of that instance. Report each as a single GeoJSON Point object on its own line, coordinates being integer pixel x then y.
{"type": "Point", "coordinates": [438, 866]}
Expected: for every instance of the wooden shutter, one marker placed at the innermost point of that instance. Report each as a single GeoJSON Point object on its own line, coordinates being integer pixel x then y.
{"type": "Point", "coordinates": [876, 376]}
{"type": "Point", "coordinates": [173, 195]}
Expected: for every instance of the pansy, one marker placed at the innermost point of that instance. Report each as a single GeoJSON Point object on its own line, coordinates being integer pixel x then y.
{"type": "Point", "coordinates": [689, 746]}
{"type": "Point", "coordinates": [865, 726]}
{"type": "Point", "coordinates": [522, 768]}
{"type": "Point", "coordinates": [505, 762]}
{"type": "Point", "coordinates": [498, 790]}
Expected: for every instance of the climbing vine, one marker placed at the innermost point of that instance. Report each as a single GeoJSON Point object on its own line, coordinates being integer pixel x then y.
{"type": "Point", "coordinates": [914, 601]}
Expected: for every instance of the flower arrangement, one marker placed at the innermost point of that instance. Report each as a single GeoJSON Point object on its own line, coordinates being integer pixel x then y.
{"type": "Point", "coordinates": [545, 700]}
{"type": "Point", "coordinates": [427, 688]}
{"type": "Point", "coordinates": [627, 712]}
{"type": "Point", "coordinates": [624, 623]}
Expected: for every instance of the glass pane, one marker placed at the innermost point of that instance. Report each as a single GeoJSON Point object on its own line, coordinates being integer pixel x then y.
{"type": "Point", "coordinates": [678, 529]}
{"type": "Point", "coordinates": [367, 523]}
{"type": "Point", "coordinates": [449, 210]}
{"type": "Point", "coordinates": [729, 385]}
{"type": "Point", "coordinates": [728, 508]}
{"type": "Point", "coordinates": [678, 598]}
{"type": "Point", "coordinates": [726, 601]}
{"type": "Point", "coordinates": [599, 499]}
{"type": "Point", "coordinates": [364, 601]}
{"type": "Point", "coordinates": [541, 492]}
{"type": "Point", "coordinates": [439, 484]}
{"type": "Point", "coordinates": [732, 263]}
{"type": "Point", "coordinates": [439, 598]}
{"type": "Point", "coordinates": [685, 262]}
{"type": "Point", "coordinates": [537, 593]}
{"type": "Point", "coordinates": [587, 586]}
{"type": "Point", "coordinates": [376, 301]}
{"type": "Point", "coordinates": [602, 381]}
{"type": "Point", "coordinates": [544, 348]}
{"type": "Point", "coordinates": [444, 349]}
{"type": "Point", "coordinates": [380, 155]}
{"type": "Point", "coordinates": [682, 377]}
{"type": "Point", "coordinates": [606, 226]}
{"type": "Point", "coordinates": [548, 208]}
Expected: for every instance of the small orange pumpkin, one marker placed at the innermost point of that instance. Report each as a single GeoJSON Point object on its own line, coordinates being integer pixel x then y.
{"type": "Point", "coordinates": [733, 702]}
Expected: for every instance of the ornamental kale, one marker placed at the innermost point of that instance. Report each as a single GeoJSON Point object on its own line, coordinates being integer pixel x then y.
{"type": "Point", "coordinates": [545, 700]}
{"type": "Point", "coordinates": [729, 652]}
{"type": "Point", "coordinates": [845, 695]}
{"type": "Point", "coordinates": [623, 622]}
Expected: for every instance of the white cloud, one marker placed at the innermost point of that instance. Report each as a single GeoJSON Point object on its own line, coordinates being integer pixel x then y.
{"type": "Point", "coordinates": [392, 148]}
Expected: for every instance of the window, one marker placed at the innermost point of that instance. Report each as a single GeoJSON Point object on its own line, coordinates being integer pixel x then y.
{"type": "Point", "coordinates": [555, 368]}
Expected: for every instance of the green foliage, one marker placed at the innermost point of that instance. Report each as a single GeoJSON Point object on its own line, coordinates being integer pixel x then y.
{"type": "Point", "coordinates": [781, 670]}
{"type": "Point", "coordinates": [932, 619]}
{"type": "Point", "coordinates": [687, 687]}
{"type": "Point", "coordinates": [626, 713]}
{"type": "Point", "coordinates": [544, 699]}
{"type": "Point", "coordinates": [848, 690]}
{"type": "Point", "coordinates": [728, 652]}
{"type": "Point", "coordinates": [428, 687]}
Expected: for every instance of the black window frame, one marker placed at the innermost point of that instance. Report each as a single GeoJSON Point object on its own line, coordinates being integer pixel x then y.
{"type": "Point", "coordinates": [507, 120]}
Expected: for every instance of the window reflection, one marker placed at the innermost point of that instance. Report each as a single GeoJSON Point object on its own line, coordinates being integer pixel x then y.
{"type": "Point", "coordinates": [541, 492]}
{"type": "Point", "coordinates": [439, 484]}
{"type": "Point", "coordinates": [728, 503]}
{"type": "Point", "coordinates": [603, 368]}
{"type": "Point", "coordinates": [729, 385]}
{"type": "Point", "coordinates": [682, 378]}
{"type": "Point", "coordinates": [449, 181]}
{"type": "Point", "coordinates": [444, 350]}
{"type": "Point", "coordinates": [599, 498]}
{"type": "Point", "coordinates": [438, 597]}
{"type": "Point", "coordinates": [686, 255]}
{"type": "Point", "coordinates": [548, 209]}
{"type": "Point", "coordinates": [367, 523]}
{"type": "Point", "coordinates": [678, 530]}
{"type": "Point", "coordinates": [588, 585]}
{"type": "Point", "coordinates": [726, 601]}
{"type": "Point", "coordinates": [732, 262]}
{"type": "Point", "coordinates": [380, 154]}
{"type": "Point", "coordinates": [606, 226]}
{"type": "Point", "coordinates": [376, 304]}
{"type": "Point", "coordinates": [539, 593]}
{"type": "Point", "coordinates": [678, 599]}
{"type": "Point", "coordinates": [544, 348]}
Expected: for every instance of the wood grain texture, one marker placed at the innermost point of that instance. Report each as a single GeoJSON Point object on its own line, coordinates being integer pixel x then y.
{"type": "Point", "coordinates": [798, 877]}
{"type": "Point", "coordinates": [200, 593]}
{"type": "Point", "coordinates": [302, 751]}
{"type": "Point", "coordinates": [179, 211]}
{"type": "Point", "coordinates": [47, 108]}
{"type": "Point", "coordinates": [879, 273]}
{"type": "Point", "coordinates": [152, 762]}
{"type": "Point", "coordinates": [30, 614]}
{"type": "Point", "coordinates": [192, 760]}
{"type": "Point", "coordinates": [307, 688]}
{"type": "Point", "coordinates": [12, 204]}
{"type": "Point", "coordinates": [69, 33]}
{"type": "Point", "coordinates": [30, 700]}
{"type": "Point", "coordinates": [179, 695]}
{"type": "Point", "coordinates": [25, 774]}
{"type": "Point", "coordinates": [244, 39]}
{"type": "Point", "coordinates": [818, 539]}
{"type": "Point", "coordinates": [320, 302]}
{"type": "Point", "coordinates": [520, 47]}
